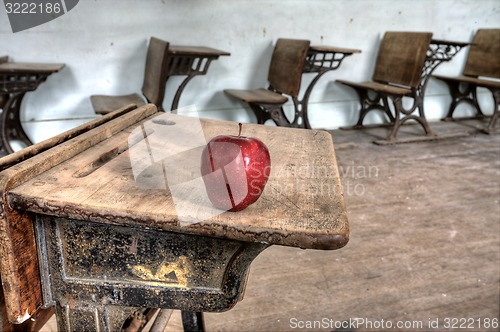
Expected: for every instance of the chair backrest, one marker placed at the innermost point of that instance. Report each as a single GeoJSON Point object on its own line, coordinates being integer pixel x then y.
{"type": "Point", "coordinates": [484, 54]}
{"type": "Point", "coordinates": [155, 73]}
{"type": "Point", "coordinates": [287, 62]}
{"type": "Point", "coordinates": [401, 58]}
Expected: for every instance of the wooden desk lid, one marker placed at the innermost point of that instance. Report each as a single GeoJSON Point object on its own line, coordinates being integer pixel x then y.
{"type": "Point", "coordinates": [202, 51]}
{"type": "Point", "coordinates": [301, 206]}
{"type": "Point", "coordinates": [20, 67]}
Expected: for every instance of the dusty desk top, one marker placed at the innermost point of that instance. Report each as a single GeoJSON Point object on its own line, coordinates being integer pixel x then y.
{"type": "Point", "coordinates": [20, 67]}
{"type": "Point", "coordinates": [302, 204]}
{"type": "Point", "coordinates": [332, 49]}
{"type": "Point", "coordinates": [195, 50]}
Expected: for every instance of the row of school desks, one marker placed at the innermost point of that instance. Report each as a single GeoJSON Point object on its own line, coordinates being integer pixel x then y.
{"type": "Point", "coordinates": [18, 78]}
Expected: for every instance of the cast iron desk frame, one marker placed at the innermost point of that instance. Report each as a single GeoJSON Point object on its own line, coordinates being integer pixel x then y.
{"type": "Point", "coordinates": [189, 61]}
{"type": "Point", "coordinates": [439, 51]}
{"type": "Point", "coordinates": [15, 80]}
{"type": "Point", "coordinates": [319, 60]}
{"type": "Point", "coordinates": [96, 262]}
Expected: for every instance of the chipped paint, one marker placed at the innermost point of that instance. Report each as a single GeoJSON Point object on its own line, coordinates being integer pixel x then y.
{"type": "Point", "coordinates": [175, 272]}
{"type": "Point", "coordinates": [22, 319]}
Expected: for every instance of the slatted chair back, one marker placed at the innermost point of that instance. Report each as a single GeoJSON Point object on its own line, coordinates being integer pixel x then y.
{"type": "Point", "coordinates": [155, 72]}
{"type": "Point", "coordinates": [484, 54]}
{"type": "Point", "coordinates": [287, 62]}
{"type": "Point", "coordinates": [401, 58]}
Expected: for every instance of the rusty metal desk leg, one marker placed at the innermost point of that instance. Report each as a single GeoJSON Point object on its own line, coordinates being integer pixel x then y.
{"type": "Point", "coordinates": [193, 321]}
{"type": "Point", "coordinates": [496, 112]}
{"type": "Point", "coordinates": [186, 65]}
{"type": "Point", "coordinates": [195, 72]}
{"type": "Point", "coordinates": [98, 275]}
{"type": "Point", "coordinates": [15, 80]}
{"type": "Point", "coordinates": [370, 101]}
{"type": "Point", "coordinates": [439, 51]}
{"type": "Point", "coordinates": [320, 60]}
{"type": "Point", "coordinates": [301, 119]}
{"type": "Point", "coordinates": [10, 124]}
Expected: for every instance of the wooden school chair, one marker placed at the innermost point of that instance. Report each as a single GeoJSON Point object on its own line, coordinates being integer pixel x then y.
{"type": "Point", "coordinates": [153, 88]}
{"type": "Point", "coordinates": [482, 70]}
{"type": "Point", "coordinates": [398, 74]}
{"type": "Point", "coordinates": [284, 76]}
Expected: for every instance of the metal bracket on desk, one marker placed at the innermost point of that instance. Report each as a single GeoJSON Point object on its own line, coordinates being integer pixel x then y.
{"type": "Point", "coordinates": [320, 63]}
{"type": "Point", "coordinates": [186, 65]}
{"type": "Point", "coordinates": [13, 86]}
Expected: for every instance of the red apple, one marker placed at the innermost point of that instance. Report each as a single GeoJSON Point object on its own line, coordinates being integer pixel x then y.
{"type": "Point", "coordinates": [235, 170]}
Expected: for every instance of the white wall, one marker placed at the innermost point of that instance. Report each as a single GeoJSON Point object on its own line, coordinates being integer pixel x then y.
{"type": "Point", "coordinates": [103, 44]}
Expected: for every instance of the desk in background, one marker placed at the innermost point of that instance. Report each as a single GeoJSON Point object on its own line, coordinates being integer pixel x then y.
{"type": "Point", "coordinates": [15, 80]}
{"type": "Point", "coordinates": [438, 51]}
{"type": "Point", "coordinates": [320, 60]}
{"type": "Point", "coordinates": [189, 61]}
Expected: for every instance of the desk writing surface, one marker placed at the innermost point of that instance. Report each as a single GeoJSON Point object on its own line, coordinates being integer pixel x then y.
{"type": "Point", "coordinates": [332, 49]}
{"type": "Point", "coordinates": [19, 67]}
{"type": "Point", "coordinates": [302, 204]}
{"type": "Point", "coordinates": [195, 50]}
{"type": "Point", "coordinates": [449, 42]}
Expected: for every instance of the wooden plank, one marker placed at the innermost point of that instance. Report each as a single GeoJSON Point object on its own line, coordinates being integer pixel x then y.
{"type": "Point", "coordinates": [18, 67]}
{"type": "Point", "coordinates": [196, 51]}
{"type": "Point", "coordinates": [332, 49]}
{"type": "Point", "coordinates": [259, 96]}
{"type": "Point", "coordinates": [401, 58]}
{"type": "Point", "coordinates": [483, 82]}
{"type": "Point", "coordinates": [483, 55]}
{"type": "Point", "coordinates": [18, 263]}
{"type": "Point", "coordinates": [379, 87]}
{"type": "Point", "coordinates": [32, 150]}
{"type": "Point", "coordinates": [302, 204]}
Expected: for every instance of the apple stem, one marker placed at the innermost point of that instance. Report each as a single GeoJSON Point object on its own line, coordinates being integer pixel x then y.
{"type": "Point", "coordinates": [240, 125]}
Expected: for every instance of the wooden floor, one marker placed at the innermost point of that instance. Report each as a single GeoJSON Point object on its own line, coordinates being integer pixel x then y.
{"type": "Point", "coordinates": [424, 247]}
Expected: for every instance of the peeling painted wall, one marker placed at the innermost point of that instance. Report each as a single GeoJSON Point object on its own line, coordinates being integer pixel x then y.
{"type": "Point", "coordinates": [103, 44]}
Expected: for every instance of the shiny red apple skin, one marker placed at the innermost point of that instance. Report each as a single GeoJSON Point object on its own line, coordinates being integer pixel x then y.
{"type": "Point", "coordinates": [235, 170]}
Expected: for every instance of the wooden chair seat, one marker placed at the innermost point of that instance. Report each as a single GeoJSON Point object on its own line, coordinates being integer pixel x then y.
{"type": "Point", "coordinates": [153, 86]}
{"type": "Point", "coordinates": [284, 77]}
{"type": "Point", "coordinates": [259, 96]}
{"type": "Point", "coordinates": [482, 69]}
{"type": "Point", "coordinates": [103, 104]}
{"type": "Point", "coordinates": [480, 82]}
{"type": "Point", "coordinates": [379, 87]}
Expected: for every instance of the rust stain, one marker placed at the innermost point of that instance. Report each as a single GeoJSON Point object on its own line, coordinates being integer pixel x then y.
{"type": "Point", "coordinates": [174, 272]}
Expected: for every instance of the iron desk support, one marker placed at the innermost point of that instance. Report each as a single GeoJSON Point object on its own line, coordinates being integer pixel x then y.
{"type": "Point", "coordinates": [189, 61]}
{"type": "Point", "coordinates": [15, 80]}
{"type": "Point", "coordinates": [439, 51]}
{"type": "Point", "coordinates": [108, 244]}
{"type": "Point", "coordinates": [320, 60]}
